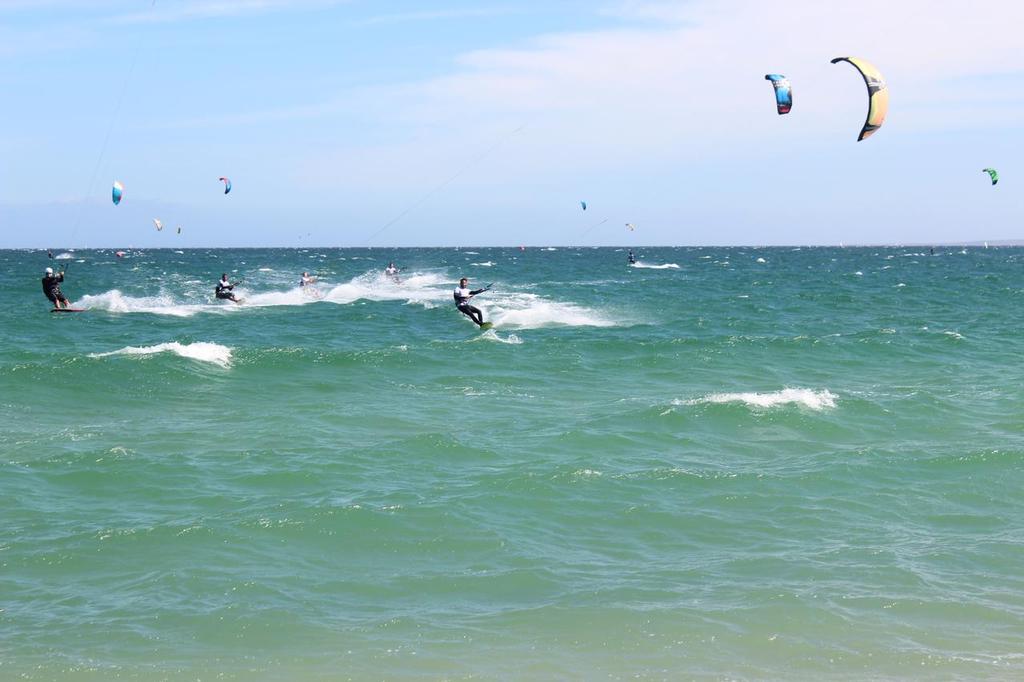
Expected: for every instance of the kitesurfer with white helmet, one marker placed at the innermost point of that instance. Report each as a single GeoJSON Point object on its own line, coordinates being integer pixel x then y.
{"type": "Point", "coordinates": [51, 287]}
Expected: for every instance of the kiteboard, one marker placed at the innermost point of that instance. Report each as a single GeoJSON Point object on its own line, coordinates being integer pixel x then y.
{"type": "Point", "coordinates": [69, 310]}
{"type": "Point", "coordinates": [486, 325]}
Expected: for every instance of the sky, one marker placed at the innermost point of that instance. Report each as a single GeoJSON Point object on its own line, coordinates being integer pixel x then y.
{"type": "Point", "coordinates": [480, 122]}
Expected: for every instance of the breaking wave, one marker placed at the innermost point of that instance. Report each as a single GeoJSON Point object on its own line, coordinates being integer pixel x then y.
{"type": "Point", "coordinates": [213, 353]}
{"type": "Point", "coordinates": [804, 397]}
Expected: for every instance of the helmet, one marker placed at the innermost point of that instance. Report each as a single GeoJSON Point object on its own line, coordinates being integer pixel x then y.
{"type": "Point", "coordinates": [49, 271]}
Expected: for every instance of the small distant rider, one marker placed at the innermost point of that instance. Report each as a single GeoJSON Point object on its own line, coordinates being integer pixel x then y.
{"type": "Point", "coordinates": [225, 289]}
{"type": "Point", "coordinates": [391, 271]}
{"type": "Point", "coordinates": [632, 258]}
{"type": "Point", "coordinates": [462, 296]}
{"type": "Point", "coordinates": [308, 285]}
{"type": "Point", "coordinates": [51, 287]}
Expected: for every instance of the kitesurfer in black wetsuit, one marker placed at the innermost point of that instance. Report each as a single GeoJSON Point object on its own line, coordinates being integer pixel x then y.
{"type": "Point", "coordinates": [462, 296]}
{"type": "Point", "coordinates": [51, 287]}
{"type": "Point", "coordinates": [225, 289]}
{"type": "Point", "coordinates": [632, 258]}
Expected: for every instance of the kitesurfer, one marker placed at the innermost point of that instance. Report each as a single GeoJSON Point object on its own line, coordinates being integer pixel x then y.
{"type": "Point", "coordinates": [462, 296]}
{"type": "Point", "coordinates": [225, 289]}
{"type": "Point", "coordinates": [51, 287]}
{"type": "Point", "coordinates": [632, 258]}
{"type": "Point", "coordinates": [308, 285]}
{"type": "Point", "coordinates": [392, 272]}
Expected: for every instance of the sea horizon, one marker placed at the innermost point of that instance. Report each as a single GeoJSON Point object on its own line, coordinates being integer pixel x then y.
{"type": "Point", "coordinates": [947, 244]}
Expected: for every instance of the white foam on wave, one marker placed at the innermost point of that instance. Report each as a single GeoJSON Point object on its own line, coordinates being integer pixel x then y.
{"type": "Point", "coordinates": [485, 264]}
{"type": "Point", "coordinates": [295, 296]}
{"type": "Point", "coordinates": [427, 289]}
{"type": "Point", "coordinates": [511, 310]}
{"type": "Point", "coordinates": [804, 397]}
{"type": "Point", "coordinates": [491, 335]}
{"type": "Point", "coordinates": [422, 288]}
{"type": "Point", "coordinates": [64, 256]}
{"type": "Point", "coordinates": [213, 353]}
{"type": "Point", "coordinates": [529, 311]}
{"type": "Point", "coordinates": [654, 266]}
{"type": "Point", "coordinates": [116, 302]}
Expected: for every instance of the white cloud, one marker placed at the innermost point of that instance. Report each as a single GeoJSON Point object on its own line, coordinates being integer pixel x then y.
{"type": "Point", "coordinates": [668, 12]}
{"type": "Point", "coordinates": [683, 92]}
{"type": "Point", "coordinates": [703, 79]}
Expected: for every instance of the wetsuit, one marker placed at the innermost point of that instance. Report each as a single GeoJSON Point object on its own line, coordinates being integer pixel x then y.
{"type": "Point", "coordinates": [224, 290]}
{"type": "Point", "coordinates": [462, 296]}
{"type": "Point", "coordinates": [51, 287]}
{"type": "Point", "coordinates": [632, 258]}
{"type": "Point", "coordinates": [391, 272]}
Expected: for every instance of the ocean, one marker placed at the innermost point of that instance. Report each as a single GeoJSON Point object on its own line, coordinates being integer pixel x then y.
{"type": "Point", "coordinates": [720, 463]}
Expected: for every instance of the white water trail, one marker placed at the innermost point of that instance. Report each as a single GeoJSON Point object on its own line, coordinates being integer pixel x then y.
{"type": "Point", "coordinates": [529, 311]}
{"type": "Point", "coordinates": [506, 309]}
{"type": "Point", "coordinates": [654, 266]}
{"type": "Point", "coordinates": [116, 302]}
{"type": "Point", "coordinates": [491, 335]}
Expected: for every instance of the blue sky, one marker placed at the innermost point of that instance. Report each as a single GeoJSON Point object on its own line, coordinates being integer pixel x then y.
{"type": "Point", "coordinates": [420, 123]}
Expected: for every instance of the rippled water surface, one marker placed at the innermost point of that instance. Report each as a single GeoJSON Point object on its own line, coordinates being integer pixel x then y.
{"type": "Point", "coordinates": [721, 463]}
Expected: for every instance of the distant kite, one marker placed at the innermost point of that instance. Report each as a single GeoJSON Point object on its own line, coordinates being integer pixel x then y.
{"type": "Point", "coordinates": [179, 229]}
{"type": "Point", "coordinates": [992, 174]}
{"type": "Point", "coordinates": [584, 205]}
{"type": "Point", "coordinates": [878, 95]}
{"type": "Point", "coordinates": [227, 184]}
{"type": "Point", "coordinates": [159, 225]}
{"type": "Point", "coordinates": [117, 193]}
{"type": "Point", "coordinates": [631, 226]}
{"type": "Point", "coordinates": [783, 92]}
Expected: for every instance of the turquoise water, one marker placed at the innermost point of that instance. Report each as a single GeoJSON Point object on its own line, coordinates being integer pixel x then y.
{"type": "Point", "coordinates": [760, 463]}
